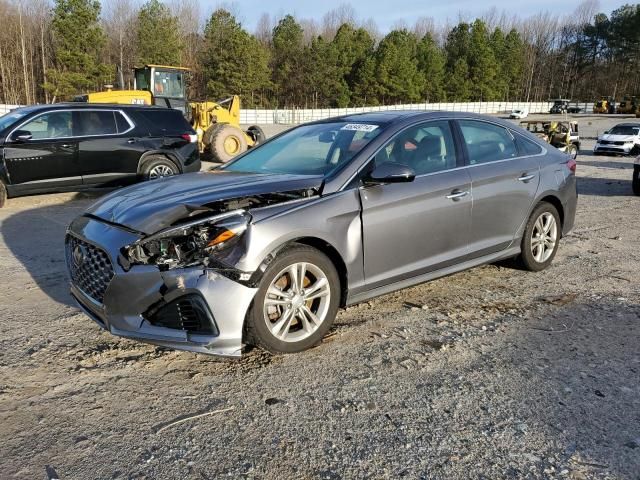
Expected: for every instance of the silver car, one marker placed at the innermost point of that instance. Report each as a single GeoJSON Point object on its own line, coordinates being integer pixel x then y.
{"type": "Point", "coordinates": [265, 250]}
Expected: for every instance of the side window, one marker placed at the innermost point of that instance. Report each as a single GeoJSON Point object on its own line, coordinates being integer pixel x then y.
{"type": "Point", "coordinates": [96, 122]}
{"type": "Point", "coordinates": [164, 121]}
{"type": "Point", "coordinates": [487, 142]}
{"type": "Point", "coordinates": [527, 147]}
{"type": "Point", "coordinates": [426, 148]}
{"type": "Point", "coordinates": [50, 125]}
{"type": "Point", "coordinates": [122, 124]}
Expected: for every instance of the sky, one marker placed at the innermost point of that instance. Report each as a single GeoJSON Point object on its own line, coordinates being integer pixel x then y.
{"type": "Point", "coordinates": [386, 13]}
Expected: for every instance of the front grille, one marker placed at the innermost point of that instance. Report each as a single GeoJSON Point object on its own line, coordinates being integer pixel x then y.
{"type": "Point", "coordinates": [89, 267]}
{"type": "Point", "coordinates": [189, 313]}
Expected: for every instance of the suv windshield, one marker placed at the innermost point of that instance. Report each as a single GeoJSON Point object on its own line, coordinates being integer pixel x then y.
{"type": "Point", "coordinates": [317, 149]}
{"type": "Point", "coordinates": [10, 118]}
{"type": "Point", "coordinates": [624, 130]}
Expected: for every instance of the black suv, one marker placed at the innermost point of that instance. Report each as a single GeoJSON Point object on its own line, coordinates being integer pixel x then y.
{"type": "Point", "coordinates": [67, 147]}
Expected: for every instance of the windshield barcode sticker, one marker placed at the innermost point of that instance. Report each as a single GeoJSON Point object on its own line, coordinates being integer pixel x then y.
{"type": "Point", "coordinates": [359, 127]}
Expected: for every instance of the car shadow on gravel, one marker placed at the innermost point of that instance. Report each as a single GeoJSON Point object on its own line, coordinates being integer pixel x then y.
{"type": "Point", "coordinates": [605, 187]}
{"type": "Point", "coordinates": [578, 372]}
{"type": "Point", "coordinates": [607, 164]}
{"type": "Point", "coordinates": [35, 237]}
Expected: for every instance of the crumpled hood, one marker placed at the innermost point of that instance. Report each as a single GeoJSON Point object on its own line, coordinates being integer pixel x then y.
{"type": "Point", "coordinates": [618, 138]}
{"type": "Point", "coordinates": [153, 205]}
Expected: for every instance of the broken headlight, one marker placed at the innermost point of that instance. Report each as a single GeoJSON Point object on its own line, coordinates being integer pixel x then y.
{"type": "Point", "coordinates": [189, 244]}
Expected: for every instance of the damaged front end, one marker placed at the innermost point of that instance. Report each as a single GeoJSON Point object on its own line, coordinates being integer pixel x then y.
{"type": "Point", "coordinates": [178, 286]}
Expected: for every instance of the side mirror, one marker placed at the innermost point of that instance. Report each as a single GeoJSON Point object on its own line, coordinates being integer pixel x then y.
{"type": "Point", "coordinates": [21, 135]}
{"type": "Point", "coordinates": [390, 173]}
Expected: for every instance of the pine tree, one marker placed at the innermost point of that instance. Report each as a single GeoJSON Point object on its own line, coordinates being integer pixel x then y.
{"type": "Point", "coordinates": [513, 64]}
{"type": "Point", "coordinates": [351, 48]}
{"type": "Point", "coordinates": [482, 63]}
{"type": "Point", "coordinates": [233, 62]}
{"type": "Point", "coordinates": [397, 72]}
{"type": "Point", "coordinates": [78, 43]}
{"type": "Point", "coordinates": [458, 83]}
{"type": "Point", "coordinates": [431, 63]}
{"type": "Point", "coordinates": [158, 36]}
{"type": "Point", "coordinates": [287, 63]}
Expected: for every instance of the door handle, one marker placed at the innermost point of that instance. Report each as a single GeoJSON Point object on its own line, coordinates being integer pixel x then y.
{"type": "Point", "coordinates": [457, 195]}
{"type": "Point", "coordinates": [525, 178]}
{"type": "Point", "coordinates": [131, 140]}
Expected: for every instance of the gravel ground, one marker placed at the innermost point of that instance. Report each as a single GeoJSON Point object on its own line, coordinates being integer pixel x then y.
{"type": "Point", "coordinates": [491, 373]}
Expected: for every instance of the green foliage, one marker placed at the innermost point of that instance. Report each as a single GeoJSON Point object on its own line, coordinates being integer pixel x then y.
{"type": "Point", "coordinates": [459, 84]}
{"type": "Point", "coordinates": [287, 63]}
{"type": "Point", "coordinates": [431, 64]}
{"type": "Point", "coordinates": [78, 43]}
{"type": "Point", "coordinates": [397, 75]}
{"type": "Point", "coordinates": [233, 62]}
{"type": "Point", "coordinates": [157, 37]}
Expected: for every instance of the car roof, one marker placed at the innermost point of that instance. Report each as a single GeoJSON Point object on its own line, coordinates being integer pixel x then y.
{"type": "Point", "coordinates": [400, 117]}
{"type": "Point", "coordinates": [627, 124]}
{"type": "Point", "coordinates": [85, 105]}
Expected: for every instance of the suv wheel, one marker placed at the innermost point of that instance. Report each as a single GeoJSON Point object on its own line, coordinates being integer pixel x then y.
{"type": "Point", "coordinates": [257, 134]}
{"type": "Point", "coordinates": [635, 182]}
{"type": "Point", "coordinates": [3, 194]}
{"type": "Point", "coordinates": [296, 302]}
{"type": "Point", "coordinates": [541, 238]}
{"type": "Point", "coordinates": [157, 166]}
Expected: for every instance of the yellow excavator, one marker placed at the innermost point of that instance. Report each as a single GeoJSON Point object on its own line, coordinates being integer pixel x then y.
{"type": "Point", "coordinates": [216, 123]}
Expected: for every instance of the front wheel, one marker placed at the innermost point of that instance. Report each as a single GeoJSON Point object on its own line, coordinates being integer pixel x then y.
{"type": "Point", "coordinates": [572, 151]}
{"type": "Point", "coordinates": [541, 238]}
{"type": "Point", "coordinates": [296, 303]}
{"type": "Point", "coordinates": [635, 182]}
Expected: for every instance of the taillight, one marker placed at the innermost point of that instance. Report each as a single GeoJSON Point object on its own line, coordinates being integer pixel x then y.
{"type": "Point", "coordinates": [189, 137]}
{"type": "Point", "coordinates": [572, 164]}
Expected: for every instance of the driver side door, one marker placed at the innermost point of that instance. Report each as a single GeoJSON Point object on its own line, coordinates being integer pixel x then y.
{"type": "Point", "coordinates": [414, 228]}
{"type": "Point", "coordinates": [48, 157]}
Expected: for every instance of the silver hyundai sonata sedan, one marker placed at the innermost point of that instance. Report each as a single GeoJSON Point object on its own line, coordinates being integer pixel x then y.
{"type": "Point", "coordinates": [265, 249]}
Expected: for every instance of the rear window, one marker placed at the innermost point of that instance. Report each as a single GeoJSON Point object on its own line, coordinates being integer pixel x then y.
{"type": "Point", "coordinates": [165, 121]}
{"type": "Point", "coordinates": [95, 122]}
{"type": "Point", "coordinates": [527, 147]}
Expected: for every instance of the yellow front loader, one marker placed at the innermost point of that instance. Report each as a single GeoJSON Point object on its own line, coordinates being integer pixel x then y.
{"type": "Point", "coordinates": [220, 137]}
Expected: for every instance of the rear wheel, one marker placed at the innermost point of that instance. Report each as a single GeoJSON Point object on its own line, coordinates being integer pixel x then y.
{"type": "Point", "coordinates": [541, 238]}
{"type": "Point", "coordinates": [226, 142]}
{"type": "Point", "coordinates": [296, 302]}
{"type": "Point", "coordinates": [157, 166]}
{"type": "Point", "coordinates": [635, 182]}
{"type": "Point", "coordinates": [572, 150]}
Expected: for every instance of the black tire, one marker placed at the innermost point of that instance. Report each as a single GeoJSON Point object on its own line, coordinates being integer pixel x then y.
{"type": "Point", "coordinates": [635, 182]}
{"type": "Point", "coordinates": [527, 259]}
{"type": "Point", "coordinates": [158, 166]}
{"type": "Point", "coordinates": [3, 194]}
{"type": "Point", "coordinates": [257, 332]}
{"type": "Point", "coordinates": [572, 150]}
{"type": "Point", "coordinates": [257, 134]}
{"type": "Point", "coordinates": [221, 137]}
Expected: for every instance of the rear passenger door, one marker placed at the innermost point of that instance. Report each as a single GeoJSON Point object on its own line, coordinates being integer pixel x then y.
{"type": "Point", "coordinates": [108, 145]}
{"type": "Point", "coordinates": [504, 183]}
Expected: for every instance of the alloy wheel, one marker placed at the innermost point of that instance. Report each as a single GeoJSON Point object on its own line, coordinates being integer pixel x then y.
{"type": "Point", "coordinates": [297, 302]}
{"type": "Point", "coordinates": [160, 171]}
{"type": "Point", "coordinates": [544, 237]}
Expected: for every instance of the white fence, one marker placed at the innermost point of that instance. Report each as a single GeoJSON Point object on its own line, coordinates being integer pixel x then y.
{"type": "Point", "coordinates": [295, 116]}
{"type": "Point", "coordinates": [302, 115]}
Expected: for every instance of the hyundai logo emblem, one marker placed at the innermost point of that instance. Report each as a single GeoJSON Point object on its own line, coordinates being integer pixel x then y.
{"type": "Point", "coordinates": [79, 254]}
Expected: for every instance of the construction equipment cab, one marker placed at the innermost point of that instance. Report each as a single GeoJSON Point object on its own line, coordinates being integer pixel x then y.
{"type": "Point", "coordinates": [153, 85]}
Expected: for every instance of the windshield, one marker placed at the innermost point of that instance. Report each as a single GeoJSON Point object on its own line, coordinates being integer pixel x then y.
{"type": "Point", "coordinates": [168, 84]}
{"type": "Point", "coordinates": [10, 118]}
{"type": "Point", "coordinates": [624, 130]}
{"type": "Point", "coordinates": [317, 149]}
